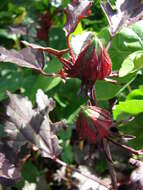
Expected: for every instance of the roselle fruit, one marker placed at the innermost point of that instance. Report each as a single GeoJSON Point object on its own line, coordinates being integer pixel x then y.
{"type": "Point", "coordinates": [94, 123]}
{"type": "Point", "coordinates": [91, 64]}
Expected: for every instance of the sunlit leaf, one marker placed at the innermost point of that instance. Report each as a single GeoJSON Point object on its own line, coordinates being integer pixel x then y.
{"type": "Point", "coordinates": [127, 12]}
{"type": "Point", "coordinates": [129, 107]}
{"type": "Point", "coordinates": [11, 162]}
{"type": "Point", "coordinates": [33, 126]}
{"type": "Point", "coordinates": [133, 105]}
{"type": "Point", "coordinates": [136, 94]}
{"type": "Point", "coordinates": [132, 63]}
{"type": "Point", "coordinates": [8, 171]}
{"type": "Point", "coordinates": [27, 57]}
{"type": "Point", "coordinates": [75, 11]}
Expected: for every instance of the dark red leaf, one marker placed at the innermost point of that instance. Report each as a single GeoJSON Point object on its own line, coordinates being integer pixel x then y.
{"type": "Point", "coordinates": [12, 159]}
{"type": "Point", "coordinates": [18, 30]}
{"type": "Point", "coordinates": [75, 11]}
{"type": "Point", "coordinates": [27, 57]}
{"type": "Point", "coordinates": [26, 125]}
{"type": "Point", "coordinates": [127, 12]}
{"type": "Point", "coordinates": [9, 173]}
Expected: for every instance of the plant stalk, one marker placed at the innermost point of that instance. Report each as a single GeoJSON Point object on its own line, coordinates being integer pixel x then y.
{"type": "Point", "coordinates": [99, 181]}
{"type": "Point", "coordinates": [109, 43]}
{"type": "Point", "coordinates": [129, 149]}
{"type": "Point", "coordinates": [110, 164]}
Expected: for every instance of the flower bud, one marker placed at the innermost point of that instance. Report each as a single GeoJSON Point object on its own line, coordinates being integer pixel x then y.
{"type": "Point", "coordinates": [93, 123]}
{"type": "Point", "coordinates": [92, 63]}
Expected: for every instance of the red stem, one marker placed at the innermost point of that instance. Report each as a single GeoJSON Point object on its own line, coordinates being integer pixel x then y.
{"type": "Point", "coordinates": [110, 164]}
{"type": "Point", "coordinates": [53, 75]}
{"type": "Point", "coordinates": [109, 43]}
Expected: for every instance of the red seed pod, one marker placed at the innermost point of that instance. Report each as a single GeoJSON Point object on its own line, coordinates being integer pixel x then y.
{"type": "Point", "coordinates": [93, 123]}
{"type": "Point", "coordinates": [92, 63]}
{"type": "Point", "coordinates": [85, 67]}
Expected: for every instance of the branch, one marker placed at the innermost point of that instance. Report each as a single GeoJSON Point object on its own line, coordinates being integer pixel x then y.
{"type": "Point", "coordinates": [92, 97]}
{"type": "Point", "coordinates": [101, 182]}
{"type": "Point", "coordinates": [110, 164]}
{"type": "Point", "coordinates": [54, 75]}
{"type": "Point", "coordinates": [129, 149]}
{"type": "Point", "coordinates": [109, 43]}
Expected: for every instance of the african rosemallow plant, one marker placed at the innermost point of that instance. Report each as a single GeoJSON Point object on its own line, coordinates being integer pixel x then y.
{"type": "Point", "coordinates": [93, 64]}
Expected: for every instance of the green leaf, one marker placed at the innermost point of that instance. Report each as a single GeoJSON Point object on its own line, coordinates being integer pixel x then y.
{"type": "Point", "coordinates": [102, 166]}
{"type": "Point", "coordinates": [134, 128]}
{"type": "Point", "coordinates": [11, 82]}
{"type": "Point", "coordinates": [67, 155]}
{"type": "Point", "coordinates": [2, 133]}
{"type": "Point", "coordinates": [30, 172]}
{"type": "Point", "coordinates": [4, 34]}
{"type": "Point", "coordinates": [78, 29]}
{"type": "Point", "coordinates": [67, 93]}
{"type": "Point", "coordinates": [132, 106]}
{"type": "Point", "coordinates": [59, 101]}
{"type": "Point", "coordinates": [46, 83]}
{"type": "Point", "coordinates": [65, 135]}
{"type": "Point", "coordinates": [132, 63]}
{"type": "Point", "coordinates": [43, 83]}
{"type": "Point", "coordinates": [139, 31]}
{"type": "Point", "coordinates": [57, 38]}
{"type": "Point", "coordinates": [136, 94]}
{"type": "Point", "coordinates": [124, 43]}
{"type": "Point", "coordinates": [107, 90]}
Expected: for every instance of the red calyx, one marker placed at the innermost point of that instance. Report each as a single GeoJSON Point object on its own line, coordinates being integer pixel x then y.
{"type": "Point", "coordinates": [105, 65]}
{"type": "Point", "coordinates": [93, 63]}
{"type": "Point", "coordinates": [93, 124]}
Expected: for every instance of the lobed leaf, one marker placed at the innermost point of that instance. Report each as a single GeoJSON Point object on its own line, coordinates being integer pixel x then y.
{"type": "Point", "coordinates": [11, 162]}
{"type": "Point", "coordinates": [26, 126]}
{"type": "Point", "coordinates": [127, 12]}
{"type": "Point", "coordinates": [75, 11]}
{"type": "Point", "coordinates": [33, 126]}
{"type": "Point", "coordinates": [27, 57]}
{"type": "Point", "coordinates": [9, 173]}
